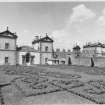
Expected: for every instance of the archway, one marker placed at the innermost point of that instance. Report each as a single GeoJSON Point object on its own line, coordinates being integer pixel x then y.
{"type": "Point", "coordinates": [69, 61]}
{"type": "Point", "coordinates": [27, 57]}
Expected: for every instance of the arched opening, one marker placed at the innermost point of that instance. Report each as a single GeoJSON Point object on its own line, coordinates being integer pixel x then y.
{"type": "Point", "coordinates": [69, 61]}
{"type": "Point", "coordinates": [27, 57]}
{"type": "Point", "coordinates": [92, 62]}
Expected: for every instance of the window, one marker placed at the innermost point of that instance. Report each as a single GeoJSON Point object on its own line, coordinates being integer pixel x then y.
{"type": "Point", "coordinates": [6, 45]}
{"type": "Point", "coordinates": [32, 59]}
{"type": "Point", "coordinates": [46, 48]}
{"type": "Point", "coordinates": [23, 59]}
{"type": "Point", "coordinates": [46, 59]}
{"type": "Point", "coordinates": [6, 60]}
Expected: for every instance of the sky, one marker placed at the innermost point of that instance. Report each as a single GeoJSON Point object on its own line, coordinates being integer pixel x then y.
{"type": "Point", "coordinates": [68, 23]}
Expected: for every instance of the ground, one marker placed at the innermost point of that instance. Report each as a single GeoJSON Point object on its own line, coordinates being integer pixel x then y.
{"type": "Point", "coordinates": [52, 85]}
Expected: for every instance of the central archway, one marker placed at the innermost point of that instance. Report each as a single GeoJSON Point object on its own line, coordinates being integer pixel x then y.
{"type": "Point", "coordinates": [69, 61]}
{"type": "Point", "coordinates": [27, 57]}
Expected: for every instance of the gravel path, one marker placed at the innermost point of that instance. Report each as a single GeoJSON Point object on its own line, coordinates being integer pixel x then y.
{"type": "Point", "coordinates": [56, 98]}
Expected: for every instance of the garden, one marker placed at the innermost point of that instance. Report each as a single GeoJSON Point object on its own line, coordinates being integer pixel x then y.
{"type": "Point", "coordinates": [33, 81]}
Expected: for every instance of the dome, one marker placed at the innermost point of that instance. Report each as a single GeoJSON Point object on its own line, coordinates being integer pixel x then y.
{"type": "Point", "coordinates": [76, 47]}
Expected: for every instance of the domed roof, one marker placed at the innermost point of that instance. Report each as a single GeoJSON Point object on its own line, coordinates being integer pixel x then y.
{"type": "Point", "coordinates": [76, 47]}
{"type": "Point", "coordinates": [26, 49]}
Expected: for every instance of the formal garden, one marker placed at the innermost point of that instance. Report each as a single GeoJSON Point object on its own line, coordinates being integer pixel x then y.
{"type": "Point", "coordinates": [34, 81]}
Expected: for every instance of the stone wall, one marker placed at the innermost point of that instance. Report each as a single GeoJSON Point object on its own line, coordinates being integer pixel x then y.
{"type": "Point", "coordinates": [81, 61]}
{"type": "Point", "coordinates": [86, 61]}
{"type": "Point", "coordinates": [99, 61]}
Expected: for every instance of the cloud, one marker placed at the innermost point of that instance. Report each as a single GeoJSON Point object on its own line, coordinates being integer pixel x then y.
{"type": "Point", "coordinates": [77, 28]}
{"type": "Point", "coordinates": [101, 19]}
{"type": "Point", "coordinates": [81, 13]}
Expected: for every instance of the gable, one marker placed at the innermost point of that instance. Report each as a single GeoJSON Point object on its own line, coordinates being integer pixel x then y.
{"type": "Point", "coordinates": [8, 34]}
{"type": "Point", "coordinates": [46, 39]}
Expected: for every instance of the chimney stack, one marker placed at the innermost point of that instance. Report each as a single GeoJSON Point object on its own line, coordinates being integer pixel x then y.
{"type": "Point", "coordinates": [64, 50]}
{"type": "Point", "coordinates": [57, 50]}
{"type": "Point", "coordinates": [36, 37]}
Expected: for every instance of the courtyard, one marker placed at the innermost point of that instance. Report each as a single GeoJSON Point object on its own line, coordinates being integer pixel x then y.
{"type": "Point", "coordinates": [61, 84]}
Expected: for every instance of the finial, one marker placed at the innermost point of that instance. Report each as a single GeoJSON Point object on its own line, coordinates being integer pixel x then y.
{"type": "Point", "coordinates": [46, 34]}
{"type": "Point", "coordinates": [15, 33]}
{"type": "Point", "coordinates": [7, 28]}
{"type": "Point", "coordinates": [76, 43]}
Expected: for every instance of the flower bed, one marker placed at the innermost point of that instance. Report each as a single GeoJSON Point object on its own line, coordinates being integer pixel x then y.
{"type": "Point", "coordinates": [91, 91]}
{"type": "Point", "coordinates": [86, 90]}
{"type": "Point", "coordinates": [32, 88]}
{"type": "Point", "coordinates": [68, 83]}
{"type": "Point", "coordinates": [60, 75]}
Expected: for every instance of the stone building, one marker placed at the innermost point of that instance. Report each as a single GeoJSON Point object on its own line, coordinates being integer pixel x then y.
{"type": "Point", "coordinates": [93, 54]}
{"type": "Point", "coordinates": [28, 55]}
{"type": "Point", "coordinates": [76, 51]}
{"type": "Point", "coordinates": [41, 51]}
{"type": "Point", "coordinates": [94, 50]}
{"type": "Point", "coordinates": [44, 46]}
{"type": "Point", "coordinates": [8, 53]}
{"type": "Point", "coordinates": [61, 56]}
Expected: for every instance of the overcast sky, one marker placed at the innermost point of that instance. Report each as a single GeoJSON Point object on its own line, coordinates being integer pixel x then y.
{"type": "Point", "coordinates": [67, 23]}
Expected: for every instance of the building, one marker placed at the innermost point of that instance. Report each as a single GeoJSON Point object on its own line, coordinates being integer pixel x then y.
{"type": "Point", "coordinates": [44, 46]}
{"type": "Point", "coordinates": [28, 55]}
{"type": "Point", "coordinates": [76, 51]}
{"type": "Point", "coordinates": [41, 51]}
{"type": "Point", "coordinates": [60, 57]}
{"type": "Point", "coordinates": [8, 53]}
{"type": "Point", "coordinates": [94, 50]}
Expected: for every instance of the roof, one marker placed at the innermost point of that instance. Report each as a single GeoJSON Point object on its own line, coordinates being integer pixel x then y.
{"type": "Point", "coordinates": [26, 49]}
{"type": "Point", "coordinates": [94, 45]}
{"type": "Point", "coordinates": [8, 34]}
{"type": "Point", "coordinates": [44, 39]}
{"type": "Point", "coordinates": [76, 47]}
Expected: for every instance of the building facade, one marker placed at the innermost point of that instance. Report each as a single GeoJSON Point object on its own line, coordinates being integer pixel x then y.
{"type": "Point", "coordinates": [28, 55]}
{"type": "Point", "coordinates": [44, 46]}
{"type": "Point", "coordinates": [8, 53]}
{"type": "Point", "coordinates": [60, 57]}
{"type": "Point", "coordinates": [94, 50]}
{"type": "Point", "coordinates": [41, 51]}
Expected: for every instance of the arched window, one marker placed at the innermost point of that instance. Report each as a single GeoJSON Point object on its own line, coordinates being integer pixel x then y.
{"type": "Point", "coordinates": [46, 59]}
{"type": "Point", "coordinates": [6, 45]}
{"type": "Point", "coordinates": [6, 60]}
{"type": "Point", "coordinates": [46, 49]}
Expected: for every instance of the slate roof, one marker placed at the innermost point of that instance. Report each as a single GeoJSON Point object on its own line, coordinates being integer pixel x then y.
{"type": "Point", "coordinates": [8, 34]}
{"type": "Point", "coordinates": [95, 45]}
{"type": "Point", "coordinates": [44, 39]}
{"type": "Point", "coordinates": [26, 49]}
